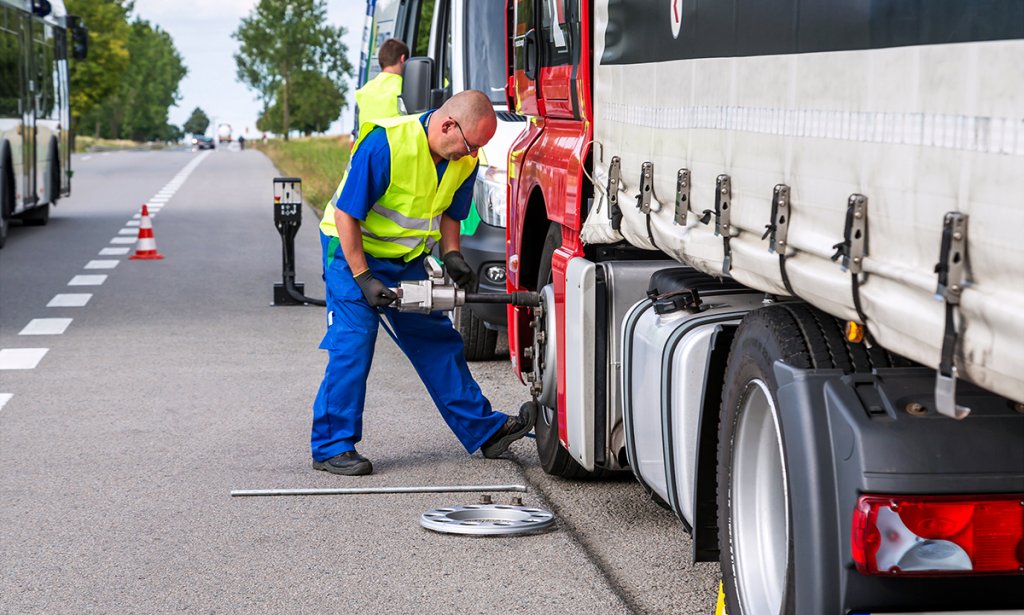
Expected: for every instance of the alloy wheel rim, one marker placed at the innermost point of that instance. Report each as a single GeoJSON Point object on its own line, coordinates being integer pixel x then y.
{"type": "Point", "coordinates": [760, 509]}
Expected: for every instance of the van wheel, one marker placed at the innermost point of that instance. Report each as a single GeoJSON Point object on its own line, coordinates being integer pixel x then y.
{"type": "Point", "coordinates": [554, 459]}
{"type": "Point", "coordinates": [479, 342]}
{"type": "Point", "coordinates": [754, 517]}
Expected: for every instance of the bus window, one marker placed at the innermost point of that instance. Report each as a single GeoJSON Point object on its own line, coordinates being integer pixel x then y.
{"type": "Point", "coordinates": [44, 70]}
{"type": "Point", "coordinates": [9, 73]}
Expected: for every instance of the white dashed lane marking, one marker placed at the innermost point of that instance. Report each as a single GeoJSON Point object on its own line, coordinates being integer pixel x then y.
{"type": "Point", "coordinates": [87, 280]}
{"type": "Point", "coordinates": [132, 223]}
{"type": "Point", "coordinates": [114, 251]}
{"type": "Point", "coordinates": [46, 326]}
{"type": "Point", "coordinates": [101, 264]}
{"type": "Point", "coordinates": [124, 240]}
{"type": "Point", "coordinates": [4, 398]}
{"type": "Point", "coordinates": [128, 231]}
{"type": "Point", "coordinates": [70, 300]}
{"type": "Point", "coordinates": [21, 358]}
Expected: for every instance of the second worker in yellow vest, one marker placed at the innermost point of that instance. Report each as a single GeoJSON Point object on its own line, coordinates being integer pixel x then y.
{"type": "Point", "coordinates": [381, 97]}
{"type": "Point", "coordinates": [408, 186]}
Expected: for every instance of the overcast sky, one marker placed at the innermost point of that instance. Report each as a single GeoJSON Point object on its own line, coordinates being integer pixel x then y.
{"type": "Point", "coordinates": [202, 33]}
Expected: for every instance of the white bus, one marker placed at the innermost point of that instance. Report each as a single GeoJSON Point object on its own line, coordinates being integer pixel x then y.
{"type": "Point", "coordinates": [35, 114]}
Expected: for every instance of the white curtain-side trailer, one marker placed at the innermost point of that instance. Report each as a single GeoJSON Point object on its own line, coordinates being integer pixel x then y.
{"type": "Point", "coordinates": [821, 376]}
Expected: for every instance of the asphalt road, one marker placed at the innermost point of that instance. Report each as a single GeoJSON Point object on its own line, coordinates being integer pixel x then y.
{"type": "Point", "coordinates": [177, 382]}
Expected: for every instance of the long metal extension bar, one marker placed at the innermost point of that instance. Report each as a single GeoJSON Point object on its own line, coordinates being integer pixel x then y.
{"type": "Point", "coordinates": [377, 490]}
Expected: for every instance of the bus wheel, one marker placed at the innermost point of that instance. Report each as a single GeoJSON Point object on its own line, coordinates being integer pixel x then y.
{"type": "Point", "coordinates": [6, 192]}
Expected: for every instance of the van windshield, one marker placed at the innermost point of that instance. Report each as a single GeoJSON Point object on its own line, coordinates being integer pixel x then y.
{"type": "Point", "coordinates": [485, 46]}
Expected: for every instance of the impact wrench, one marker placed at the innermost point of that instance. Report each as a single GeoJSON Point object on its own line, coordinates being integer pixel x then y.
{"type": "Point", "coordinates": [425, 296]}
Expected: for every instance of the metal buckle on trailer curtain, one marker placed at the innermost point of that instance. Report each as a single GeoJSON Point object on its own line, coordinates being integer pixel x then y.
{"type": "Point", "coordinates": [851, 248]}
{"type": "Point", "coordinates": [723, 218]}
{"type": "Point", "coordinates": [682, 195]}
{"type": "Point", "coordinates": [614, 213]}
{"type": "Point", "coordinates": [951, 270]}
{"type": "Point", "coordinates": [643, 200]}
{"type": "Point", "coordinates": [777, 230]}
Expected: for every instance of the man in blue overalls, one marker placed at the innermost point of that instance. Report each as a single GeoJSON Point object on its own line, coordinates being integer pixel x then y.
{"type": "Point", "coordinates": [408, 186]}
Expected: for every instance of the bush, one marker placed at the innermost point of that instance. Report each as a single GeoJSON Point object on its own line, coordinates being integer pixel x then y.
{"type": "Point", "coordinates": [319, 161]}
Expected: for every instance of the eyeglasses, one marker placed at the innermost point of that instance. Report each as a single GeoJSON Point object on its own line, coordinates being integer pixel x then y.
{"type": "Point", "coordinates": [469, 150]}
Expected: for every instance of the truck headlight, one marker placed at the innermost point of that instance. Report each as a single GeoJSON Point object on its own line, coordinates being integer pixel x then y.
{"type": "Point", "coordinates": [489, 196]}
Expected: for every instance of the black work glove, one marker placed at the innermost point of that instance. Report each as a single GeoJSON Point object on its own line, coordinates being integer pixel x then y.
{"type": "Point", "coordinates": [375, 291]}
{"type": "Point", "coordinates": [459, 271]}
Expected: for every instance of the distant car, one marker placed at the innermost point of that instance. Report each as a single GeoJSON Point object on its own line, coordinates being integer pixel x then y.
{"type": "Point", "coordinates": [202, 142]}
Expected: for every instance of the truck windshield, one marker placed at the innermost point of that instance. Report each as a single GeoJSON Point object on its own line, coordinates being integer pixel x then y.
{"type": "Point", "coordinates": [485, 48]}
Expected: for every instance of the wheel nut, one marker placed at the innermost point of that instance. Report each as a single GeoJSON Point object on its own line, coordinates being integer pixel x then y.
{"type": "Point", "coordinates": [517, 501]}
{"type": "Point", "coordinates": [916, 409]}
{"type": "Point", "coordinates": [486, 499]}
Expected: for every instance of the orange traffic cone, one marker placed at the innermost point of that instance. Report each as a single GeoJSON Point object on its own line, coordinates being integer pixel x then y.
{"type": "Point", "coordinates": [146, 247]}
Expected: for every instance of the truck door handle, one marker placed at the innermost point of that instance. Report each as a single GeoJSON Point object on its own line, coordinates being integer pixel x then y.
{"type": "Point", "coordinates": [530, 56]}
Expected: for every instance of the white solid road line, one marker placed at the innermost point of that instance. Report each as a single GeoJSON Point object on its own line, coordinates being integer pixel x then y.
{"type": "Point", "coordinates": [87, 280]}
{"type": "Point", "coordinates": [21, 358]}
{"type": "Point", "coordinates": [4, 398]}
{"type": "Point", "coordinates": [70, 300]}
{"type": "Point", "coordinates": [101, 264]}
{"type": "Point", "coordinates": [114, 251]}
{"type": "Point", "coordinates": [46, 326]}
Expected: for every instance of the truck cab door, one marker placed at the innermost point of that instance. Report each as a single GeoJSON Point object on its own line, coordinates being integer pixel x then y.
{"type": "Point", "coordinates": [524, 57]}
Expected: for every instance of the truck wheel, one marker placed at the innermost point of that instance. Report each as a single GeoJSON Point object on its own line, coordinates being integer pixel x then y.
{"type": "Point", "coordinates": [554, 459]}
{"type": "Point", "coordinates": [754, 518]}
{"type": "Point", "coordinates": [479, 342]}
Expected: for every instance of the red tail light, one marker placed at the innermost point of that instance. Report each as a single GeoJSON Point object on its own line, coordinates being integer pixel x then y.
{"type": "Point", "coordinates": [929, 535]}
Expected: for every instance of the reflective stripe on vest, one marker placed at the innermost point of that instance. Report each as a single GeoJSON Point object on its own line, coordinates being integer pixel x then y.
{"type": "Point", "coordinates": [378, 98]}
{"type": "Point", "coordinates": [406, 221]}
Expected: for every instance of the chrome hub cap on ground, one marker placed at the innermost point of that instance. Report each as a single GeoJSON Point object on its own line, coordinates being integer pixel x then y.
{"type": "Point", "coordinates": [487, 519]}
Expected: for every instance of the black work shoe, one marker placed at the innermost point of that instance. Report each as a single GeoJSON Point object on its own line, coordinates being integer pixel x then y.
{"type": "Point", "coordinates": [515, 427]}
{"type": "Point", "coordinates": [349, 464]}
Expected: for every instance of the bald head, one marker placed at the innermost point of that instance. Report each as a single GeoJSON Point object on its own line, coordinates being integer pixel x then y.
{"type": "Point", "coordinates": [462, 125]}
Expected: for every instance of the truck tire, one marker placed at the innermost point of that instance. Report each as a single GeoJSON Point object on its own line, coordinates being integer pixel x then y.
{"type": "Point", "coordinates": [554, 459]}
{"type": "Point", "coordinates": [479, 342]}
{"type": "Point", "coordinates": [754, 520]}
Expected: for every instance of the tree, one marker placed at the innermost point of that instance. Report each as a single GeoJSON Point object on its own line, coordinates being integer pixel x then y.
{"type": "Point", "coordinates": [197, 123]}
{"type": "Point", "coordinates": [96, 78]}
{"type": "Point", "coordinates": [281, 39]}
{"type": "Point", "coordinates": [138, 107]}
{"type": "Point", "coordinates": [316, 103]}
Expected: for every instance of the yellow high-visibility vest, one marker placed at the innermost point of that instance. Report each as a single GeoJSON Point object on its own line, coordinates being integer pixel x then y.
{"type": "Point", "coordinates": [378, 98]}
{"type": "Point", "coordinates": [406, 221]}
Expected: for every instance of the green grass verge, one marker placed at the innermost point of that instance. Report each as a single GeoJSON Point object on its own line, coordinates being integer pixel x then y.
{"type": "Point", "coordinates": [91, 144]}
{"type": "Point", "coordinates": [318, 161]}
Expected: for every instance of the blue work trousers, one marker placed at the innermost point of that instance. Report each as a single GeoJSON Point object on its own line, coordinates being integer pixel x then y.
{"type": "Point", "coordinates": [433, 346]}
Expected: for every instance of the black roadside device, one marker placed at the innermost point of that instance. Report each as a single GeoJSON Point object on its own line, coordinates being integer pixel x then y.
{"type": "Point", "coordinates": [287, 219]}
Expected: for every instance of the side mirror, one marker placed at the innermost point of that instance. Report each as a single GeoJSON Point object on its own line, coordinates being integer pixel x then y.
{"type": "Point", "coordinates": [79, 38]}
{"type": "Point", "coordinates": [41, 8]}
{"type": "Point", "coordinates": [417, 75]}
